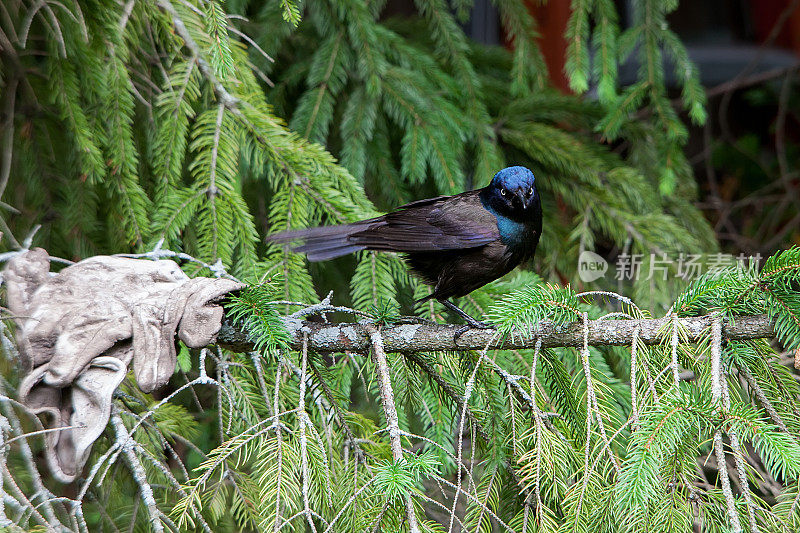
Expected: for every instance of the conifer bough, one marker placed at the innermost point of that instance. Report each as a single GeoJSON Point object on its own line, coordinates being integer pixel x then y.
{"type": "Point", "coordinates": [353, 337]}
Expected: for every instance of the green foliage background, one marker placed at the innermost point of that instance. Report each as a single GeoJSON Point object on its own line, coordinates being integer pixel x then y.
{"type": "Point", "coordinates": [202, 127]}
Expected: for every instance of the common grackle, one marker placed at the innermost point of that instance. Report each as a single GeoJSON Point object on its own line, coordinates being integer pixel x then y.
{"type": "Point", "coordinates": [454, 243]}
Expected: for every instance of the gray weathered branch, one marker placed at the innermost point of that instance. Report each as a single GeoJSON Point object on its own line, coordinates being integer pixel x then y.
{"type": "Point", "coordinates": [353, 337]}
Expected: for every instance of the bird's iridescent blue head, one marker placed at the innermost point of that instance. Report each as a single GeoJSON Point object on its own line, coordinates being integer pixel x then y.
{"type": "Point", "coordinates": [513, 190]}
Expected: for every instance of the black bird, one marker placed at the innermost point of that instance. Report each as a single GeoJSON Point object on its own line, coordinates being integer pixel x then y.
{"type": "Point", "coordinates": [454, 243]}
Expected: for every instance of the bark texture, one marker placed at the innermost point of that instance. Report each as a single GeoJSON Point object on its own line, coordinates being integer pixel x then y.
{"type": "Point", "coordinates": [353, 337]}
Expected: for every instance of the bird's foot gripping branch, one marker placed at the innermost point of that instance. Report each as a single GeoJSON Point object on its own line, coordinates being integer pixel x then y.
{"type": "Point", "coordinates": [571, 405]}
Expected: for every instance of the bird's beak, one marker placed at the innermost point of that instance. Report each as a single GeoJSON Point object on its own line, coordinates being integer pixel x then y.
{"type": "Point", "coordinates": [527, 201]}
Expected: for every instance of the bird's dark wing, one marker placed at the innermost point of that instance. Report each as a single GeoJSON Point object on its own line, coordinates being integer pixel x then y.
{"type": "Point", "coordinates": [443, 223]}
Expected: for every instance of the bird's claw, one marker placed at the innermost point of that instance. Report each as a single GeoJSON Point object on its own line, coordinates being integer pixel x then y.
{"type": "Point", "coordinates": [473, 324]}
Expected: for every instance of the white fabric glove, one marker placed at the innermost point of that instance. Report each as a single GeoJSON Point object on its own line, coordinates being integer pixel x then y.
{"type": "Point", "coordinates": [78, 330]}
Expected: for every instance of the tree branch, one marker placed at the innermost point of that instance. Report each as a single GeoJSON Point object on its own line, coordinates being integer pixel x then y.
{"type": "Point", "coordinates": [405, 338]}
{"type": "Point", "coordinates": [223, 96]}
{"type": "Point", "coordinates": [390, 411]}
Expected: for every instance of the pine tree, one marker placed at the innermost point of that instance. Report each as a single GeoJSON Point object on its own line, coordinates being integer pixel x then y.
{"type": "Point", "coordinates": [202, 127]}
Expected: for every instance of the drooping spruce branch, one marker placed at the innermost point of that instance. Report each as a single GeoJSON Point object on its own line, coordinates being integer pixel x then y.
{"type": "Point", "coordinates": [390, 411]}
{"type": "Point", "coordinates": [354, 338]}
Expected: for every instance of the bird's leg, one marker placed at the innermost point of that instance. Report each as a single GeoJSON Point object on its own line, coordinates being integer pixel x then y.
{"type": "Point", "coordinates": [471, 321]}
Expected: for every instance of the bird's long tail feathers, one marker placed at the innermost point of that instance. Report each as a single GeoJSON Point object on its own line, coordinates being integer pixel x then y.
{"type": "Point", "coordinates": [323, 243]}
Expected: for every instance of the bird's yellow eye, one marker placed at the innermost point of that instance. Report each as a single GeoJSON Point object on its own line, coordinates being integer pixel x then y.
{"type": "Point", "coordinates": [502, 192]}
{"type": "Point", "coordinates": [530, 191]}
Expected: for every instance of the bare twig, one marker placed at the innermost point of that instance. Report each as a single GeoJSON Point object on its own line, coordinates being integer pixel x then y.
{"type": "Point", "coordinates": [390, 411]}
{"type": "Point", "coordinates": [745, 72]}
{"type": "Point", "coordinates": [674, 347]}
{"type": "Point", "coordinates": [467, 393]}
{"type": "Point", "coordinates": [762, 397]}
{"type": "Point", "coordinates": [592, 404]}
{"type": "Point", "coordinates": [337, 411]}
{"type": "Point", "coordinates": [717, 384]}
{"type": "Point", "coordinates": [279, 446]}
{"type": "Point", "coordinates": [537, 419]}
{"type": "Point", "coordinates": [634, 390]}
{"type": "Point", "coordinates": [780, 125]}
{"type": "Point", "coordinates": [125, 443]}
{"type": "Point", "coordinates": [451, 393]}
{"type": "Point", "coordinates": [29, 460]}
{"type": "Point", "coordinates": [736, 83]}
{"type": "Point", "coordinates": [464, 408]}
{"type": "Point", "coordinates": [302, 417]}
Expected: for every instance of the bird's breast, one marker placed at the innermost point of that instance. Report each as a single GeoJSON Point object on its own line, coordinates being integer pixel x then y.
{"type": "Point", "coordinates": [515, 234]}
